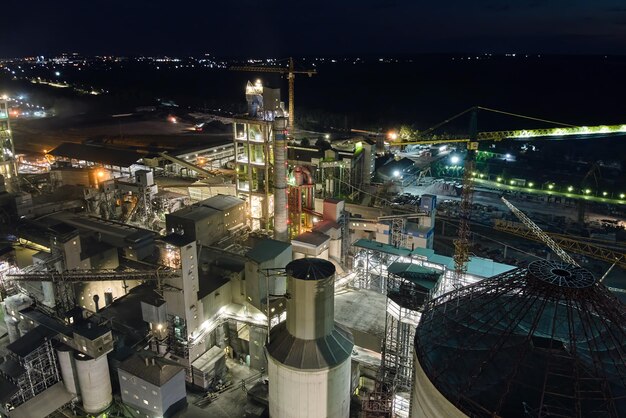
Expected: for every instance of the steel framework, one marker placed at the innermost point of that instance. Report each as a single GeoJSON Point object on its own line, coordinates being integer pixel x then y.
{"type": "Point", "coordinates": [542, 236]}
{"type": "Point", "coordinates": [543, 341]}
{"type": "Point", "coordinates": [580, 247]}
{"type": "Point", "coordinates": [95, 275]}
{"type": "Point", "coordinates": [41, 372]}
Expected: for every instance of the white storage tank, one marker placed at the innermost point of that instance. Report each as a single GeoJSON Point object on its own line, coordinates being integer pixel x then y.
{"type": "Point", "coordinates": [94, 382]}
{"type": "Point", "coordinates": [309, 355]}
{"type": "Point", "coordinates": [67, 365]}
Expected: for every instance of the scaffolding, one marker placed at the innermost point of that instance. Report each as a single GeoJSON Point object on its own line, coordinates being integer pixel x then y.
{"type": "Point", "coordinates": [40, 372]}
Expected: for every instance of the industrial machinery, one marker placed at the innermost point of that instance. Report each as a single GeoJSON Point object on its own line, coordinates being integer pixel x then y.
{"type": "Point", "coordinates": [291, 76]}
{"type": "Point", "coordinates": [461, 243]}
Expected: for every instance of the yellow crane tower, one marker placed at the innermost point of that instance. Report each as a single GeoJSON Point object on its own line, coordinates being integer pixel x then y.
{"type": "Point", "coordinates": [461, 244]}
{"type": "Point", "coordinates": [291, 76]}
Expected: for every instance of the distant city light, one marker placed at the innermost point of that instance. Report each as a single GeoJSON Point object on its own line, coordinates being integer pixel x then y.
{"type": "Point", "coordinates": [57, 73]}
{"type": "Point", "coordinates": [455, 159]}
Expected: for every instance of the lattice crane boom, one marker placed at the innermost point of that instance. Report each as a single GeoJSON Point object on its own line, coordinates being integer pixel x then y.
{"type": "Point", "coordinates": [545, 238]}
{"type": "Point", "coordinates": [291, 76]}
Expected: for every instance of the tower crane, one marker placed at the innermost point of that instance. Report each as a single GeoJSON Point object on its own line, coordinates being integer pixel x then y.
{"type": "Point", "coordinates": [291, 76]}
{"type": "Point", "coordinates": [461, 244]}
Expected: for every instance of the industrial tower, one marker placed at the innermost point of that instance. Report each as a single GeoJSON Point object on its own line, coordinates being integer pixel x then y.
{"type": "Point", "coordinates": [8, 166]}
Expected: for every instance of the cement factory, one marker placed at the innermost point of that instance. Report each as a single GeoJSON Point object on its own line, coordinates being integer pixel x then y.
{"type": "Point", "coordinates": [257, 277]}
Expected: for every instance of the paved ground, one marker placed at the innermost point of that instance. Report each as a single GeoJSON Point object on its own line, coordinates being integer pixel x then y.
{"type": "Point", "coordinates": [230, 404]}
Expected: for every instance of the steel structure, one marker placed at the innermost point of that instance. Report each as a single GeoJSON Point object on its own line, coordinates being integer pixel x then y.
{"type": "Point", "coordinates": [546, 341]}
{"type": "Point", "coordinates": [291, 76]}
{"type": "Point", "coordinates": [39, 372]}
{"type": "Point", "coordinates": [8, 164]}
{"type": "Point", "coordinates": [586, 248]}
{"type": "Point", "coordinates": [543, 237]}
{"type": "Point", "coordinates": [95, 275]}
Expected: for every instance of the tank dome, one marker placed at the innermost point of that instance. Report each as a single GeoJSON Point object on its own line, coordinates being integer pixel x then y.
{"type": "Point", "coordinates": [545, 341]}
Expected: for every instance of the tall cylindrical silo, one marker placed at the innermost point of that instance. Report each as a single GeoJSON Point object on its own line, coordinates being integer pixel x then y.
{"type": "Point", "coordinates": [94, 382]}
{"type": "Point", "coordinates": [309, 359]}
{"type": "Point", "coordinates": [67, 365]}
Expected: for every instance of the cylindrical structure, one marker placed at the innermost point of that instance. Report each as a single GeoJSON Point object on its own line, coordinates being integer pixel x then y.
{"type": "Point", "coordinates": [280, 181]}
{"type": "Point", "coordinates": [12, 307]}
{"type": "Point", "coordinates": [68, 369]}
{"type": "Point", "coordinates": [309, 363]}
{"type": "Point", "coordinates": [310, 306]}
{"type": "Point", "coordinates": [94, 382]}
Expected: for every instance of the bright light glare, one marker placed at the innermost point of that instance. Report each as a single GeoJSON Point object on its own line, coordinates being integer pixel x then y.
{"type": "Point", "coordinates": [570, 188]}
{"type": "Point", "coordinates": [443, 148]}
{"type": "Point", "coordinates": [57, 73]}
{"type": "Point", "coordinates": [455, 159]}
{"type": "Point", "coordinates": [499, 179]}
{"type": "Point", "coordinates": [392, 135]}
{"type": "Point", "coordinates": [396, 173]}
{"type": "Point", "coordinates": [550, 186]}
{"type": "Point", "coordinates": [622, 195]}
{"type": "Point", "coordinates": [507, 156]}
{"type": "Point", "coordinates": [327, 136]}
{"type": "Point", "coordinates": [531, 184]}
{"type": "Point", "coordinates": [587, 191]}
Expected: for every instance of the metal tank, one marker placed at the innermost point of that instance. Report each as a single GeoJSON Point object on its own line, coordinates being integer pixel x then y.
{"type": "Point", "coordinates": [309, 355]}
{"type": "Point", "coordinates": [68, 369]}
{"type": "Point", "coordinates": [94, 382]}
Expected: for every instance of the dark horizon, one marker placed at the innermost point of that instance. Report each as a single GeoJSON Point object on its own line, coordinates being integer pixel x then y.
{"type": "Point", "coordinates": [270, 28]}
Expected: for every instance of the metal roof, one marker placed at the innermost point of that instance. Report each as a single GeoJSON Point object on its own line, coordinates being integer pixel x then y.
{"type": "Point", "coordinates": [526, 344]}
{"type": "Point", "coordinates": [12, 368]}
{"type": "Point", "coordinates": [29, 342]}
{"type": "Point", "coordinates": [311, 238]}
{"type": "Point", "coordinates": [157, 374]}
{"type": "Point", "coordinates": [310, 269]}
{"type": "Point", "coordinates": [422, 276]}
{"type": "Point", "coordinates": [108, 156]}
{"type": "Point", "coordinates": [221, 202]}
{"type": "Point", "coordinates": [321, 353]}
{"type": "Point", "coordinates": [267, 249]}
{"type": "Point", "coordinates": [7, 390]}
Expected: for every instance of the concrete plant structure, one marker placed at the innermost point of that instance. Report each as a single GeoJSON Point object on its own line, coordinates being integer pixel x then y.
{"type": "Point", "coordinates": [309, 364]}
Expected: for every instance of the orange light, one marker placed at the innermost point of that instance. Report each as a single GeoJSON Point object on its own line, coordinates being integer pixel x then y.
{"type": "Point", "coordinates": [100, 173]}
{"type": "Point", "coordinates": [392, 135]}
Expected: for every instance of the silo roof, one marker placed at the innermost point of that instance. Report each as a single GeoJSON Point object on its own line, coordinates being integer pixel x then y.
{"type": "Point", "coordinates": [543, 341]}
{"type": "Point", "coordinates": [321, 353]}
{"type": "Point", "coordinates": [310, 269]}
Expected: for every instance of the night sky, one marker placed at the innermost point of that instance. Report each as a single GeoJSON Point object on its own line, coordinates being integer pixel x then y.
{"type": "Point", "coordinates": [339, 27]}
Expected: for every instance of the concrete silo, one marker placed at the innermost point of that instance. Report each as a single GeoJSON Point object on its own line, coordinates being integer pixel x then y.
{"type": "Point", "coordinates": [309, 355]}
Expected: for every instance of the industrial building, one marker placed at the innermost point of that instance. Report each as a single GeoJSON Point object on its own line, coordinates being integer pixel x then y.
{"type": "Point", "coordinates": [263, 272]}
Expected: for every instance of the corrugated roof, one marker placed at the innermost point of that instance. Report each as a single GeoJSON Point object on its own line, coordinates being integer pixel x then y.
{"type": "Point", "coordinates": [321, 353]}
{"type": "Point", "coordinates": [267, 249]}
{"type": "Point", "coordinates": [109, 156]}
{"type": "Point", "coordinates": [310, 269]}
{"type": "Point", "coordinates": [157, 374]}
{"type": "Point", "coordinates": [477, 266]}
